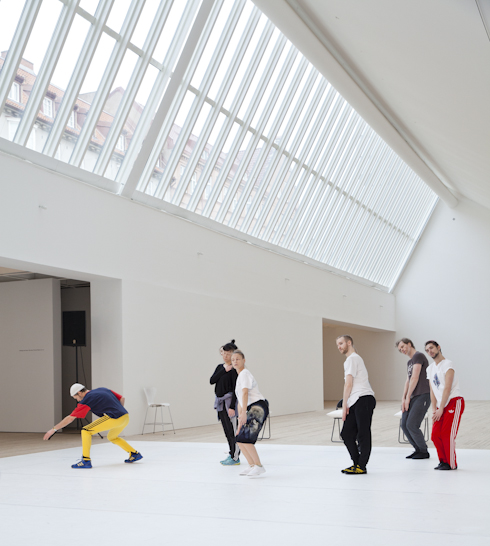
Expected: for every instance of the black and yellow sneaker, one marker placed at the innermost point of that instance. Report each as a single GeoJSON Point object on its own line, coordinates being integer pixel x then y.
{"type": "Point", "coordinates": [354, 470]}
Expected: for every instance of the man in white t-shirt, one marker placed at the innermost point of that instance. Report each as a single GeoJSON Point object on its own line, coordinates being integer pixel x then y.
{"type": "Point", "coordinates": [357, 407]}
{"type": "Point", "coordinates": [447, 406]}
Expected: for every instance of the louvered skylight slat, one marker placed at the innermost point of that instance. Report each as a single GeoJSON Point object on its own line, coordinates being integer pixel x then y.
{"type": "Point", "coordinates": [307, 135]}
{"type": "Point", "coordinates": [277, 177]}
{"type": "Point", "coordinates": [100, 97]}
{"type": "Point", "coordinates": [40, 86]}
{"type": "Point", "coordinates": [17, 47]}
{"type": "Point", "coordinates": [232, 116]}
{"type": "Point", "coordinates": [83, 64]}
{"type": "Point", "coordinates": [328, 166]}
{"type": "Point", "coordinates": [174, 110]}
{"type": "Point", "coordinates": [228, 80]}
{"type": "Point", "coordinates": [242, 131]}
{"type": "Point", "coordinates": [254, 175]}
{"type": "Point", "coordinates": [328, 134]}
{"type": "Point", "coordinates": [180, 35]}
{"type": "Point", "coordinates": [194, 112]}
{"type": "Point", "coordinates": [129, 97]}
{"type": "Point", "coordinates": [347, 159]}
{"type": "Point", "coordinates": [252, 147]}
{"type": "Point", "coordinates": [265, 177]}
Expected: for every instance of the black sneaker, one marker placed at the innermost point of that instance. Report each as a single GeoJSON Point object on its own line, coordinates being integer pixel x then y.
{"type": "Point", "coordinates": [411, 455]}
{"type": "Point", "coordinates": [438, 467]}
{"type": "Point", "coordinates": [421, 455]}
{"type": "Point", "coordinates": [447, 466]}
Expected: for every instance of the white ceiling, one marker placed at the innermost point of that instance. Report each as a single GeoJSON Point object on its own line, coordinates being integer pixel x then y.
{"type": "Point", "coordinates": [425, 64]}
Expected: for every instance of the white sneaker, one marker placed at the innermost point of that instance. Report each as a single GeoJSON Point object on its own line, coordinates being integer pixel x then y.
{"type": "Point", "coordinates": [256, 471]}
{"type": "Point", "coordinates": [246, 471]}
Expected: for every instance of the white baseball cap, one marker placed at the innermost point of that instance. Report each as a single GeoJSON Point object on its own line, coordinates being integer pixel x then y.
{"type": "Point", "coordinates": [75, 388]}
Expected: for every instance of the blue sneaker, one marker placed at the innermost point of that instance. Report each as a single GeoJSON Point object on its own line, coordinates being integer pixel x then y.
{"type": "Point", "coordinates": [229, 461]}
{"type": "Point", "coordinates": [133, 457]}
{"type": "Point", "coordinates": [84, 463]}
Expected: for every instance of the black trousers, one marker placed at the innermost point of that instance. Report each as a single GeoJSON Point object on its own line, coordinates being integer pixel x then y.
{"type": "Point", "coordinates": [356, 431]}
{"type": "Point", "coordinates": [230, 432]}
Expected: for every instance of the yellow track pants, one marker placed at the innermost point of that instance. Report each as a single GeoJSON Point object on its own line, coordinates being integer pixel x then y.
{"type": "Point", "coordinates": [114, 426]}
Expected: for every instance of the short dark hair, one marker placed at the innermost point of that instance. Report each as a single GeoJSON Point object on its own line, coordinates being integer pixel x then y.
{"type": "Point", "coordinates": [347, 338]}
{"type": "Point", "coordinates": [230, 346]}
{"type": "Point", "coordinates": [404, 340]}
{"type": "Point", "coordinates": [433, 343]}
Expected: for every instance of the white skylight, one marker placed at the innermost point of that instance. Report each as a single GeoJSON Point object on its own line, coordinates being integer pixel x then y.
{"type": "Point", "coordinates": [205, 106]}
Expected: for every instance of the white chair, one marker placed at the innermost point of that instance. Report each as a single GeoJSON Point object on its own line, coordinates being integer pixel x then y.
{"type": "Point", "coordinates": [401, 435]}
{"type": "Point", "coordinates": [337, 417]}
{"type": "Point", "coordinates": [150, 393]}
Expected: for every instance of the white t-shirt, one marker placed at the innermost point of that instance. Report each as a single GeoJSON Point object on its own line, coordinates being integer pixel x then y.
{"type": "Point", "coordinates": [436, 374]}
{"type": "Point", "coordinates": [354, 365]}
{"type": "Point", "coordinates": [247, 381]}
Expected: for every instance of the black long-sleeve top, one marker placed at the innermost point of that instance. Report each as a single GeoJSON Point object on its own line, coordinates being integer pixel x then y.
{"type": "Point", "coordinates": [224, 382]}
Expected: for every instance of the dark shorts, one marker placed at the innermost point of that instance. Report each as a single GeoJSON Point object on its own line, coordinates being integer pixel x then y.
{"type": "Point", "coordinates": [256, 416]}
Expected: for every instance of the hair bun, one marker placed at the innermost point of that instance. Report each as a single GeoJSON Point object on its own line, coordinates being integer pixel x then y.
{"type": "Point", "coordinates": [233, 341]}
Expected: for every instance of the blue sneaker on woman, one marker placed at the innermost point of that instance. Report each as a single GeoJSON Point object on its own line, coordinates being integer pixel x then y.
{"type": "Point", "coordinates": [229, 461]}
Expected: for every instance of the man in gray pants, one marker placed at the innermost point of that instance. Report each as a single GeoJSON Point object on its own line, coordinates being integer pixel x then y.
{"type": "Point", "coordinates": [415, 399]}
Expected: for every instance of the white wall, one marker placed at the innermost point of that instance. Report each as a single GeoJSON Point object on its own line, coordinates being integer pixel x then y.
{"type": "Point", "coordinates": [30, 355]}
{"type": "Point", "coordinates": [166, 293]}
{"type": "Point", "coordinates": [378, 352]}
{"type": "Point", "coordinates": [444, 294]}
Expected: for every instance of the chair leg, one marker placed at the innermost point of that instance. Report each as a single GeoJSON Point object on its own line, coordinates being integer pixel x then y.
{"type": "Point", "coordinates": [171, 420]}
{"type": "Point", "coordinates": [264, 427]}
{"type": "Point", "coordinates": [336, 420]}
{"type": "Point", "coordinates": [144, 422]}
{"type": "Point", "coordinates": [403, 440]}
{"type": "Point", "coordinates": [426, 429]}
{"type": "Point", "coordinates": [161, 416]}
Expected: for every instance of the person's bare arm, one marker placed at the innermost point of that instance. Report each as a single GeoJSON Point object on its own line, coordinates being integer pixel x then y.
{"type": "Point", "coordinates": [445, 395]}
{"type": "Point", "coordinates": [349, 381]}
{"type": "Point", "coordinates": [405, 389]}
{"type": "Point", "coordinates": [411, 386]}
{"type": "Point", "coordinates": [62, 424]}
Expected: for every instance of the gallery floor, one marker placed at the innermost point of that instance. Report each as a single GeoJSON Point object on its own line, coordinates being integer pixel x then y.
{"type": "Point", "coordinates": [179, 494]}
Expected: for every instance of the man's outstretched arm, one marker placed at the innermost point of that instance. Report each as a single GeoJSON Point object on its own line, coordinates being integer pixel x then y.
{"type": "Point", "coordinates": [62, 424]}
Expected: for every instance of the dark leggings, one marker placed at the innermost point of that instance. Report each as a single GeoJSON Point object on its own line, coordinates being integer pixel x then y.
{"type": "Point", "coordinates": [230, 432]}
{"type": "Point", "coordinates": [356, 431]}
{"type": "Point", "coordinates": [412, 419]}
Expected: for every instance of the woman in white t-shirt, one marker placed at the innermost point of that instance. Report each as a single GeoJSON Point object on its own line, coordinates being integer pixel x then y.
{"type": "Point", "coordinates": [253, 410]}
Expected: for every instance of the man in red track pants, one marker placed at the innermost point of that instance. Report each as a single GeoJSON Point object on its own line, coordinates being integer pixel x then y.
{"type": "Point", "coordinates": [447, 406]}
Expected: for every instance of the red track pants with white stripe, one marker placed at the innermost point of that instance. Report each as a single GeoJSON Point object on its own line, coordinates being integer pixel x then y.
{"type": "Point", "coordinates": [445, 430]}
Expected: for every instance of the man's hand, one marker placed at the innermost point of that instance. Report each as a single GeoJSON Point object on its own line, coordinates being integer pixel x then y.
{"type": "Point", "coordinates": [231, 412]}
{"type": "Point", "coordinates": [405, 405]}
{"type": "Point", "coordinates": [345, 412]}
{"type": "Point", "coordinates": [437, 414]}
{"type": "Point", "coordinates": [48, 434]}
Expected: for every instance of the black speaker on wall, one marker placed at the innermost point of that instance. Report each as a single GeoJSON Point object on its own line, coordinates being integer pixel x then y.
{"type": "Point", "coordinates": [74, 329]}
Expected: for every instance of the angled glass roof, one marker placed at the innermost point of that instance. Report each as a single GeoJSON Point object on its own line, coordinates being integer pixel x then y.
{"type": "Point", "coordinates": [205, 106]}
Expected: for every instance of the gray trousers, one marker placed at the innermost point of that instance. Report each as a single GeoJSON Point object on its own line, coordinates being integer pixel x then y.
{"type": "Point", "coordinates": [412, 419]}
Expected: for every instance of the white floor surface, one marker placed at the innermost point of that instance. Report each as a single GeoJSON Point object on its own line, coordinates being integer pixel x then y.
{"type": "Point", "coordinates": [179, 494]}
